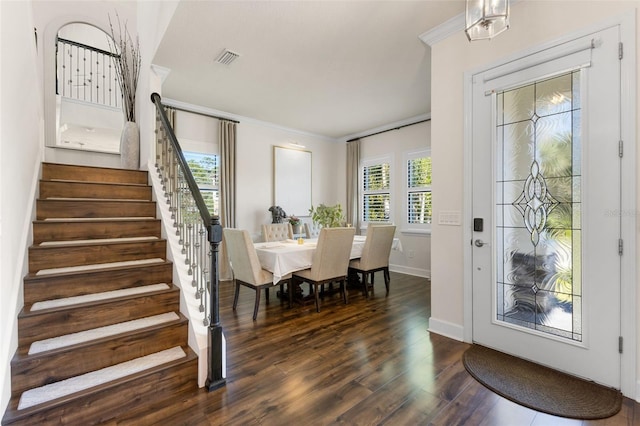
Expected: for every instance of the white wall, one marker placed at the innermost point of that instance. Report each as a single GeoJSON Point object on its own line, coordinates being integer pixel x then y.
{"type": "Point", "coordinates": [532, 23]}
{"type": "Point", "coordinates": [255, 172]}
{"type": "Point", "coordinates": [20, 155]}
{"type": "Point", "coordinates": [415, 258]}
{"type": "Point", "coordinates": [152, 20]}
{"type": "Point", "coordinates": [49, 17]}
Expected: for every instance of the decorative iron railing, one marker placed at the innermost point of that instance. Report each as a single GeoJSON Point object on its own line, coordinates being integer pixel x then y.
{"type": "Point", "coordinates": [199, 234]}
{"type": "Point", "coordinates": [87, 73]}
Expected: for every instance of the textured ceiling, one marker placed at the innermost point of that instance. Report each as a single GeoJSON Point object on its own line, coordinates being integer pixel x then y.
{"type": "Point", "coordinates": [333, 68]}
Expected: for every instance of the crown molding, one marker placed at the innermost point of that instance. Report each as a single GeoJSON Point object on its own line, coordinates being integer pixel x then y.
{"type": "Point", "coordinates": [240, 118]}
{"type": "Point", "coordinates": [443, 30]}
{"type": "Point", "coordinates": [161, 72]}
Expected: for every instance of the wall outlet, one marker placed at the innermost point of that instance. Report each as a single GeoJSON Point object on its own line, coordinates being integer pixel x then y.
{"type": "Point", "coordinates": [410, 254]}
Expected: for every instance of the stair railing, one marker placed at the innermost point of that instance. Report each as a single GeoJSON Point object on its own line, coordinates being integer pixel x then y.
{"type": "Point", "coordinates": [199, 232]}
{"type": "Point", "coordinates": [87, 73]}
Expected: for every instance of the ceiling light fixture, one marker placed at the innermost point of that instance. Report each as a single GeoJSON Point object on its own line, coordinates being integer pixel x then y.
{"type": "Point", "coordinates": [485, 19]}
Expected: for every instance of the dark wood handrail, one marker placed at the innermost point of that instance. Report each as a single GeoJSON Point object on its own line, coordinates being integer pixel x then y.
{"type": "Point", "coordinates": [191, 182]}
{"type": "Point", "coordinates": [85, 46]}
{"type": "Point", "coordinates": [215, 375]}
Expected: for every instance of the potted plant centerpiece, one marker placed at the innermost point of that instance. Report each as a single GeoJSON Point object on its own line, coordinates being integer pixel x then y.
{"type": "Point", "coordinates": [295, 224]}
{"type": "Point", "coordinates": [127, 66]}
{"type": "Point", "coordinates": [327, 216]}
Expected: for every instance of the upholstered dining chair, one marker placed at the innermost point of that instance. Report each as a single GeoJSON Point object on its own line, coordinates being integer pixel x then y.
{"type": "Point", "coordinates": [329, 263]}
{"type": "Point", "coordinates": [246, 267]}
{"type": "Point", "coordinates": [375, 255]}
{"type": "Point", "coordinates": [277, 232]}
{"type": "Point", "coordinates": [311, 229]}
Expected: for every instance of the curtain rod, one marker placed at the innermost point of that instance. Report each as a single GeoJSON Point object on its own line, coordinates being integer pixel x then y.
{"type": "Point", "coordinates": [200, 113]}
{"type": "Point", "coordinates": [388, 130]}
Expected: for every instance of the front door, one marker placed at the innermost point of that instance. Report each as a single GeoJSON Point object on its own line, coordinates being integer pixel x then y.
{"type": "Point", "coordinates": [546, 200]}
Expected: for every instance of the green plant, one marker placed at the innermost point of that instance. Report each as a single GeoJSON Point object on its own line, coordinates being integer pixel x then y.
{"type": "Point", "coordinates": [327, 216]}
{"type": "Point", "coordinates": [294, 220]}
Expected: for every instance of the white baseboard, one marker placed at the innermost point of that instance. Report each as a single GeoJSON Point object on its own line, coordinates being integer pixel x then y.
{"type": "Point", "coordinates": [424, 273]}
{"type": "Point", "coordinates": [447, 329]}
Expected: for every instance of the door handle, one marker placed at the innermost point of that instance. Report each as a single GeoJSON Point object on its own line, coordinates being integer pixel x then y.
{"type": "Point", "coordinates": [479, 243]}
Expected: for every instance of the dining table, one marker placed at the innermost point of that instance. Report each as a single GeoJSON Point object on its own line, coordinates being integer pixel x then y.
{"type": "Point", "coordinates": [285, 257]}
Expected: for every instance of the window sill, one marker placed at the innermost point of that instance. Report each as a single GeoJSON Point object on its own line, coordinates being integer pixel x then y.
{"type": "Point", "coordinates": [414, 231]}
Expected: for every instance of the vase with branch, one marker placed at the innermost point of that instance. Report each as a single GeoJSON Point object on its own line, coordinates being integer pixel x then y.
{"type": "Point", "coordinates": [127, 66]}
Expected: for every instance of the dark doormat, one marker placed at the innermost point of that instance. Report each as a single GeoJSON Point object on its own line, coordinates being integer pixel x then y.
{"type": "Point", "coordinates": [540, 388]}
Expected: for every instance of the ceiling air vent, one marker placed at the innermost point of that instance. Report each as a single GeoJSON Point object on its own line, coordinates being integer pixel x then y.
{"type": "Point", "coordinates": [226, 57]}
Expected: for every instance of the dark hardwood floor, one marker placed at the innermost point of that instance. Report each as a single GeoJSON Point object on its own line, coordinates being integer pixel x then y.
{"type": "Point", "coordinates": [370, 362]}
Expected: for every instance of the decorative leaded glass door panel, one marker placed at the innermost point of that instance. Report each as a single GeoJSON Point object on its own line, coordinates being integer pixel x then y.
{"type": "Point", "coordinates": [546, 172]}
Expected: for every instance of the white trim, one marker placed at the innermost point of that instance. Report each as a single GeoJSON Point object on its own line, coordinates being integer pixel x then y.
{"type": "Point", "coordinates": [628, 308]}
{"type": "Point", "coordinates": [416, 272]}
{"type": "Point", "coordinates": [189, 305]}
{"type": "Point", "coordinates": [446, 328]}
{"type": "Point", "coordinates": [629, 272]}
{"type": "Point", "coordinates": [161, 72]}
{"type": "Point", "coordinates": [443, 31]}
{"type": "Point", "coordinates": [406, 157]}
{"type": "Point", "coordinates": [374, 161]}
{"type": "Point", "coordinates": [214, 112]}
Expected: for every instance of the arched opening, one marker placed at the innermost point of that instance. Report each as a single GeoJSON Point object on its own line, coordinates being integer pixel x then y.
{"type": "Point", "coordinates": [88, 99]}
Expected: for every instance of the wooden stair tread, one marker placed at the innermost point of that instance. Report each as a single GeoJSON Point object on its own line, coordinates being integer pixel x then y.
{"type": "Point", "coordinates": [27, 312]}
{"type": "Point", "coordinates": [114, 266]}
{"type": "Point", "coordinates": [73, 341]}
{"type": "Point", "coordinates": [46, 346]}
{"type": "Point", "coordinates": [95, 219]}
{"type": "Point", "coordinates": [107, 295]}
{"type": "Point", "coordinates": [98, 297]}
{"type": "Point", "coordinates": [95, 182]}
{"type": "Point", "coordinates": [95, 241]}
{"type": "Point", "coordinates": [13, 414]}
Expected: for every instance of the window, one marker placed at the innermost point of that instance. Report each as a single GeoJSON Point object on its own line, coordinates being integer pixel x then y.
{"type": "Point", "coordinates": [419, 188]}
{"type": "Point", "coordinates": [206, 171]}
{"type": "Point", "coordinates": [376, 190]}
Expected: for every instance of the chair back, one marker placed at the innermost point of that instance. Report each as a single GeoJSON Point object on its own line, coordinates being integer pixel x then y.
{"type": "Point", "coordinates": [242, 254]}
{"type": "Point", "coordinates": [377, 247]}
{"type": "Point", "coordinates": [277, 232]}
{"type": "Point", "coordinates": [331, 258]}
{"type": "Point", "coordinates": [312, 230]}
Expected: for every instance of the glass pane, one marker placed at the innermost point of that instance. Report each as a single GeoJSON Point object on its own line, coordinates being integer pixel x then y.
{"type": "Point", "coordinates": [554, 95]}
{"type": "Point", "coordinates": [517, 150]}
{"type": "Point", "coordinates": [419, 171]}
{"type": "Point", "coordinates": [538, 215]}
{"type": "Point", "coordinates": [376, 208]}
{"type": "Point", "coordinates": [519, 104]}
{"type": "Point", "coordinates": [376, 177]}
{"type": "Point", "coordinates": [419, 207]}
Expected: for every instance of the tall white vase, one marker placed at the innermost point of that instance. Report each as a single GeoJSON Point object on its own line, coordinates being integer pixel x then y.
{"type": "Point", "coordinates": [130, 146]}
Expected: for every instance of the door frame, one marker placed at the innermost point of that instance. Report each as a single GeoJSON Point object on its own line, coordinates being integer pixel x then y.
{"type": "Point", "coordinates": [629, 385]}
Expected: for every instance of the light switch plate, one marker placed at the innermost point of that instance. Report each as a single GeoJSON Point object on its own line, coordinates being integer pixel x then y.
{"type": "Point", "coordinates": [450, 218]}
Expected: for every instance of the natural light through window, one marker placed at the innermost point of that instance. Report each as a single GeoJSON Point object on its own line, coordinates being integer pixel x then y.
{"type": "Point", "coordinates": [206, 171]}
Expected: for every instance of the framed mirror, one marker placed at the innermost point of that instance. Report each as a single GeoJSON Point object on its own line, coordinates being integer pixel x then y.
{"type": "Point", "coordinates": [292, 180]}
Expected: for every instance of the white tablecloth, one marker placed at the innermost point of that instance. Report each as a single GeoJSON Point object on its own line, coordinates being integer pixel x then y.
{"type": "Point", "coordinates": [284, 257]}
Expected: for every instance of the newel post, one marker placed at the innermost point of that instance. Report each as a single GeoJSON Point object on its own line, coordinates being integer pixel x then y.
{"type": "Point", "coordinates": [217, 348]}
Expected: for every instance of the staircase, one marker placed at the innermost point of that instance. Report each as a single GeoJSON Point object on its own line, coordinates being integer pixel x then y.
{"type": "Point", "coordinates": [101, 334]}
